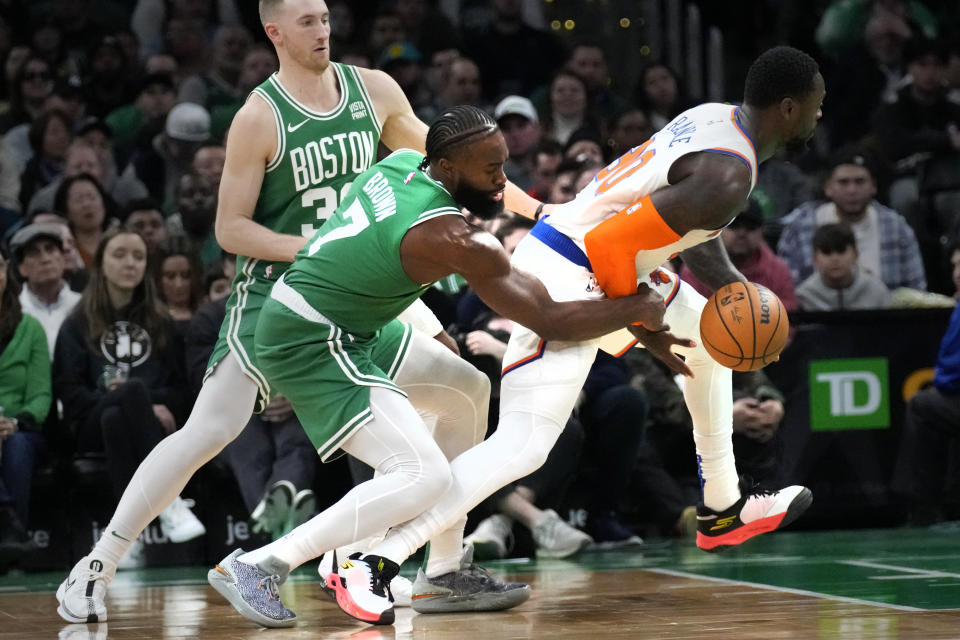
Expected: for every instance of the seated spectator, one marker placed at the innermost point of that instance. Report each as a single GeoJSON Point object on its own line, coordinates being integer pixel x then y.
{"type": "Point", "coordinates": [80, 158]}
{"type": "Point", "coordinates": [208, 162]}
{"type": "Point", "coordinates": [38, 253]}
{"type": "Point", "coordinates": [887, 245]}
{"type": "Point", "coordinates": [587, 173]}
{"type": "Point", "coordinates": [88, 209]}
{"type": "Point", "coordinates": [258, 64]}
{"type": "Point", "coordinates": [117, 372]}
{"type": "Point", "coordinates": [76, 271]}
{"type": "Point", "coordinates": [548, 156]}
{"type": "Point", "coordinates": [567, 107]}
{"type": "Point", "coordinates": [219, 85]}
{"type": "Point", "coordinates": [749, 253]}
{"type": "Point", "coordinates": [589, 61]}
{"type": "Point", "coordinates": [145, 116]}
{"type": "Point", "coordinates": [520, 125]}
{"type": "Point", "coordinates": [585, 145]}
{"type": "Point", "coordinates": [170, 155]}
{"type": "Point", "coordinates": [459, 84]}
{"type": "Point", "coordinates": [929, 433]}
{"type": "Point", "coordinates": [32, 84]}
{"type": "Point", "coordinates": [920, 134]}
{"type": "Point", "coordinates": [564, 184]}
{"type": "Point", "coordinates": [144, 217]}
{"type": "Point", "coordinates": [178, 273]}
{"type": "Point", "coordinates": [120, 180]}
{"type": "Point", "coordinates": [628, 129]}
{"type": "Point", "coordinates": [844, 24]}
{"type": "Point", "coordinates": [196, 211]}
{"type": "Point", "coordinates": [839, 283]}
{"type": "Point", "coordinates": [108, 82]}
{"type": "Point", "coordinates": [49, 138]}
{"type": "Point", "coordinates": [26, 399]}
{"type": "Point", "coordinates": [660, 95]}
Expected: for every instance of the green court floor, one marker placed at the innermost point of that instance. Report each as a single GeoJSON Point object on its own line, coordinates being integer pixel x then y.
{"type": "Point", "coordinates": [907, 569]}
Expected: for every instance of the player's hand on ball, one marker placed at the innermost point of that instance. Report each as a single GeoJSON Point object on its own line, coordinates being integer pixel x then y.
{"type": "Point", "coordinates": [660, 343]}
{"type": "Point", "coordinates": [650, 307]}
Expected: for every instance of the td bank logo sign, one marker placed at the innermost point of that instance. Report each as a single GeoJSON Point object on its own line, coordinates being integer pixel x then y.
{"type": "Point", "coordinates": [849, 394]}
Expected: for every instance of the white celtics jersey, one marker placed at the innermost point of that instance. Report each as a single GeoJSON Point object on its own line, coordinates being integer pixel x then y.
{"type": "Point", "coordinates": [710, 127]}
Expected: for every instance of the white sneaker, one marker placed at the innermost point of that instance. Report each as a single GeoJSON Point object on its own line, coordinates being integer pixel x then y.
{"type": "Point", "coordinates": [400, 587]}
{"type": "Point", "coordinates": [81, 595]}
{"type": "Point", "coordinates": [133, 558]}
{"type": "Point", "coordinates": [557, 539]}
{"type": "Point", "coordinates": [178, 523]}
{"type": "Point", "coordinates": [361, 587]}
{"type": "Point", "coordinates": [757, 511]}
{"type": "Point", "coordinates": [491, 537]}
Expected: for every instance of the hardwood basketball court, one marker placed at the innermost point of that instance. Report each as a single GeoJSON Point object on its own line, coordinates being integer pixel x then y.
{"type": "Point", "coordinates": [893, 583]}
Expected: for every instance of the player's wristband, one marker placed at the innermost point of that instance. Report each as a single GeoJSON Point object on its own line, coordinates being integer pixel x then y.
{"type": "Point", "coordinates": [539, 211]}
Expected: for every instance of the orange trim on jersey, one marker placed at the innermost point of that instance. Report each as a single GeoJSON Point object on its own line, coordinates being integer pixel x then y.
{"type": "Point", "coordinates": [519, 363]}
{"type": "Point", "coordinates": [613, 244]}
{"type": "Point", "coordinates": [666, 303]}
{"type": "Point", "coordinates": [736, 123]}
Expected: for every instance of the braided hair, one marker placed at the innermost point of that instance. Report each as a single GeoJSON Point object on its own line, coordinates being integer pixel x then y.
{"type": "Point", "coordinates": [454, 127]}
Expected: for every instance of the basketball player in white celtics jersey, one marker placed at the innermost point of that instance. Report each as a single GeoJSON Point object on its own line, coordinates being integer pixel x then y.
{"type": "Point", "coordinates": [673, 194]}
{"type": "Point", "coordinates": [300, 32]}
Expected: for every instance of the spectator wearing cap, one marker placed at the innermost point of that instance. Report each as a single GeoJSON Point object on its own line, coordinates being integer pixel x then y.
{"type": "Point", "coordinates": [887, 245]}
{"type": "Point", "coordinates": [170, 155]}
{"type": "Point", "coordinates": [920, 133]}
{"type": "Point", "coordinates": [401, 61]}
{"type": "Point", "coordinates": [520, 125]}
{"type": "Point", "coordinates": [749, 253]}
{"type": "Point", "coordinates": [219, 85]}
{"type": "Point", "coordinates": [147, 113]}
{"type": "Point", "coordinates": [38, 253]}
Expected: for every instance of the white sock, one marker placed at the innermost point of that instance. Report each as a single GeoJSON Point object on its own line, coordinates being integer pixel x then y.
{"type": "Point", "coordinates": [445, 550]}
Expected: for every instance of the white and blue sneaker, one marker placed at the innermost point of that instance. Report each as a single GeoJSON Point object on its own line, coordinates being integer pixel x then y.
{"type": "Point", "coordinates": [253, 590]}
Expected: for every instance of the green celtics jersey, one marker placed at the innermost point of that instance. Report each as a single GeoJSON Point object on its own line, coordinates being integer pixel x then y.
{"type": "Point", "coordinates": [318, 157]}
{"type": "Point", "coordinates": [350, 271]}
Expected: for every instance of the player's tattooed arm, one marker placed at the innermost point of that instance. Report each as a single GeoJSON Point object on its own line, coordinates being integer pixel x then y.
{"type": "Point", "coordinates": [710, 263]}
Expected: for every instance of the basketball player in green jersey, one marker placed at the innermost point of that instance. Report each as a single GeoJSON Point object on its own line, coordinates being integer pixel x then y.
{"type": "Point", "coordinates": [293, 149]}
{"type": "Point", "coordinates": [398, 230]}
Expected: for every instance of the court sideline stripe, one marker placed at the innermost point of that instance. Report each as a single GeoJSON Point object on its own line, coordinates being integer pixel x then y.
{"type": "Point", "coordinates": [801, 592]}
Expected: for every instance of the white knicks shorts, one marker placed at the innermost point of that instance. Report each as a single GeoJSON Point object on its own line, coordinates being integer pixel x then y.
{"type": "Point", "coordinates": [545, 377]}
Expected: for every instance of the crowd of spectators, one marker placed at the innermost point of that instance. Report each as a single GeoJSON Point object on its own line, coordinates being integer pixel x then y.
{"type": "Point", "coordinates": [113, 117]}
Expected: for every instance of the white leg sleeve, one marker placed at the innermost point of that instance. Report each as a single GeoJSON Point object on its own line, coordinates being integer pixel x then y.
{"type": "Point", "coordinates": [520, 445]}
{"type": "Point", "coordinates": [220, 413]}
{"type": "Point", "coordinates": [709, 398]}
{"type": "Point", "coordinates": [412, 475]}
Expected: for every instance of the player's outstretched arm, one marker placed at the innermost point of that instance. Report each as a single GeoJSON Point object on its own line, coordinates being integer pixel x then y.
{"type": "Point", "coordinates": [251, 144]}
{"type": "Point", "coordinates": [402, 129]}
{"type": "Point", "coordinates": [711, 264]}
{"type": "Point", "coordinates": [448, 244]}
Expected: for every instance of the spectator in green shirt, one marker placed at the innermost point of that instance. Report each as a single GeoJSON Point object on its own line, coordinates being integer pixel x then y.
{"type": "Point", "coordinates": [25, 397]}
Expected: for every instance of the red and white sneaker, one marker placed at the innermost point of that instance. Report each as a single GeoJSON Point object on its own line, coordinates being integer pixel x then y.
{"type": "Point", "coordinates": [362, 587]}
{"type": "Point", "coordinates": [757, 511]}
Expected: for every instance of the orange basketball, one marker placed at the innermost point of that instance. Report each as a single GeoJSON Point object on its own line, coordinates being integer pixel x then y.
{"type": "Point", "coordinates": [744, 326]}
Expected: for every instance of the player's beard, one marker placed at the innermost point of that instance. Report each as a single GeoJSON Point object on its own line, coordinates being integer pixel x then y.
{"type": "Point", "coordinates": [478, 202]}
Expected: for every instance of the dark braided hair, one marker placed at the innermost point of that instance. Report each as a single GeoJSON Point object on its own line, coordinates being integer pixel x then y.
{"type": "Point", "coordinates": [454, 127]}
{"type": "Point", "coordinates": [781, 72]}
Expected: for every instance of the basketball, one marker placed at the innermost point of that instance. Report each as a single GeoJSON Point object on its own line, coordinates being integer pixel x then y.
{"type": "Point", "coordinates": [744, 326]}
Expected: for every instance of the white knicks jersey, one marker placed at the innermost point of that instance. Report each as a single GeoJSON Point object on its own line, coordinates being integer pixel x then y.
{"type": "Point", "coordinates": [710, 127]}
